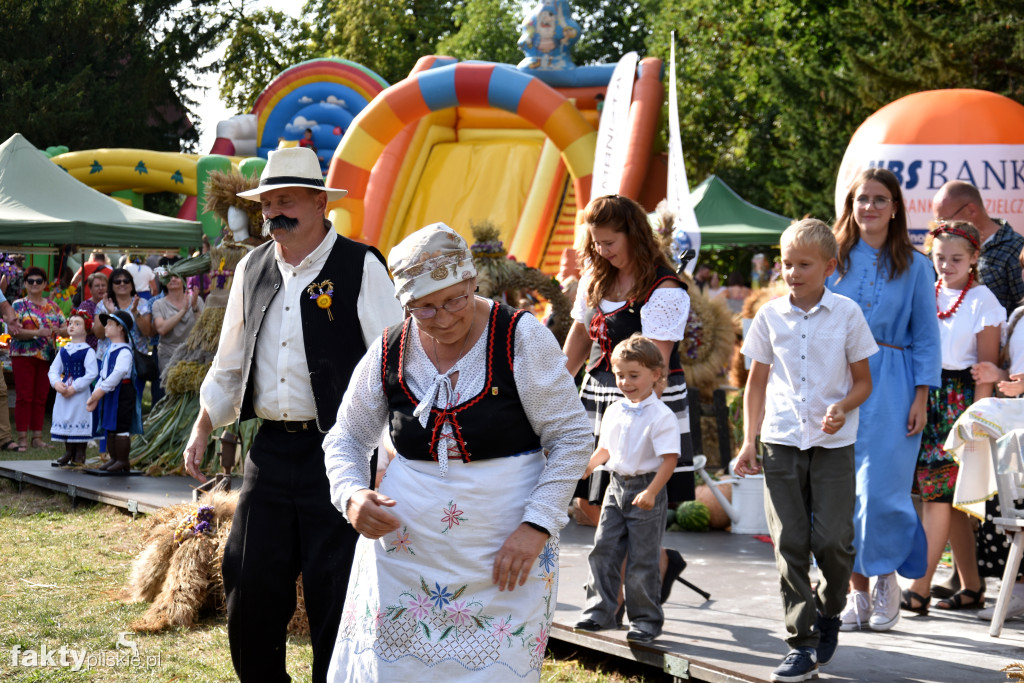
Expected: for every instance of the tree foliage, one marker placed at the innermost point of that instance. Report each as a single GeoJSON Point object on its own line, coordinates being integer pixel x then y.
{"type": "Point", "coordinates": [103, 73]}
{"type": "Point", "coordinates": [262, 44]}
{"type": "Point", "coordinates": [770, 92]}
{"type": "Point", "coordinates": [486, 30]}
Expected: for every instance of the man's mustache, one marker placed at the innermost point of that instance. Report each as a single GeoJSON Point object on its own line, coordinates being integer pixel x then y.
{"type": "Point", "coordinates": [279, 223]}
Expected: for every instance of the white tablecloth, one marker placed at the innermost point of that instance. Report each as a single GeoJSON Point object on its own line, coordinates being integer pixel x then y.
{"type": "Point", "coordinates": [990, 425]}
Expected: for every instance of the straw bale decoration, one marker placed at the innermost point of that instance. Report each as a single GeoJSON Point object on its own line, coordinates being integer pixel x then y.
{"type": "Point", "coordinates": [179, 567]}
{"type": "Point", "coordinates": [506, 280]}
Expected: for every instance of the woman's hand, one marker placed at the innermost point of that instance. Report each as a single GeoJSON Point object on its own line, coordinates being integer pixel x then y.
{"type": "Point", "coordinates": [918, 417]}
{"type": "Point", "coordinates": [135, 306]}
{"type": "Point", "coordinates": [516, 557]}
{"type": "Point", "coordinates": [987, 372]}
{"type": "Point", "coordinates": [367, 514]}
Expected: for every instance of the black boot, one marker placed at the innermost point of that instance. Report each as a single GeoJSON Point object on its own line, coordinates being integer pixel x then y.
{"type": "Point", "coordinates": [69, 454]}
{"type": "Point", "coordinates": [78, 455]}
{"type": "Point", "coordinates": [120, 447]}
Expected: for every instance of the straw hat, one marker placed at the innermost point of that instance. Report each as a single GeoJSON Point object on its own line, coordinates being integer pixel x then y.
{"type": "Point", "coordinates": [292, 167]}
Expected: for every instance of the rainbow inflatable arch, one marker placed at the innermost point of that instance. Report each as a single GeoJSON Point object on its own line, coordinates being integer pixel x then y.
{"type": "Point", "coordinates": [469, 84]}
{"type": "Point", "coordinates": [321, 94]}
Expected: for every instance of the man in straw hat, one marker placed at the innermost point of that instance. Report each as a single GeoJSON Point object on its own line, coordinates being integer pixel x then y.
{"type": "Point", "coordinates": [302, 309]}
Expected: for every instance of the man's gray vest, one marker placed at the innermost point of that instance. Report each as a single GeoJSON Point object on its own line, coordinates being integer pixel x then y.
{"type": "Point", "coordinates": [333, 346]}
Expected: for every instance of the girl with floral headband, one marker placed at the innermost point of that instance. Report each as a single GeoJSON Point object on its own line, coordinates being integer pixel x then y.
{"type": "Point", "coordinates": [970, 321]}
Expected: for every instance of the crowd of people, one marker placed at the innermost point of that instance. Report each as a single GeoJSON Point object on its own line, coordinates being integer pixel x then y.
{"type": "Point", "coordinates": [427, 538]}
{"type": "Point", "coordinates": [161, 305]}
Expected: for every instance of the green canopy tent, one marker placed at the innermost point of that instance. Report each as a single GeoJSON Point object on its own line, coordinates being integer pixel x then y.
{"type": "Point", "coordinates": [40, 204]}
{"type": "Point", "coordinates": [725, 218]}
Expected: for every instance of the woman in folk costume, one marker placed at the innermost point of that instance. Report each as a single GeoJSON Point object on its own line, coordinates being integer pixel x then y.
{"type": "Point", "coordinates": [120, 415]}
{"type": "Point", "coordinates": [71, 374]}
{"type": "Point", "coordinates": [455, 575]}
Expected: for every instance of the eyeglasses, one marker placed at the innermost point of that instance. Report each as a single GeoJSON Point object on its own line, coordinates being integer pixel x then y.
{"type": "Point", "coordinates": [952, 215]}
{"type": "Point", "coordinates": [120, 282]}
{"type": "Point", "coordinates": [452, 306]}
{"type": "Point", "coordinates": [878, 202]}
{"type": "Point", "coordinates": [34, 280]}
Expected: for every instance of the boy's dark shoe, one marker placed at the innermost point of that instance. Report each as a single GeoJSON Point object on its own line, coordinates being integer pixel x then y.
{"type": "Point", "coordinates": [801, 664]}
{"type": "Point", "coordinates": [635, 635]}
{"type": "Point", "coordinates": [828, 633]}
{"type": "Point", "coordinates": [587, 625]}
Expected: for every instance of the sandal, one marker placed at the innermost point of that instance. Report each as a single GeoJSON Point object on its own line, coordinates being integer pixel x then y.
{"type": "Point", "coordinates": [956, 601]}
{"type": "Point", "coordinates": [39, 443]}
{"type": "Point", "coordinates": [12, 446]}
{"type": "Point", "coordinates": [907, 602]}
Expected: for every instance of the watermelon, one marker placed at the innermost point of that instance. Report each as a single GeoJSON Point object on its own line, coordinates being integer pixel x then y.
{"type": "Point", "coordinates": [693, 515]}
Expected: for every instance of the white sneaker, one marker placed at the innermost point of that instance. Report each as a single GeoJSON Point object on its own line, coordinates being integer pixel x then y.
{"type": "Point", "coordinates": [857, 611]}
{"type": "Point", "coordinates": [885, 603]}
{"type": "Point", "coordinates": [1015, 608]}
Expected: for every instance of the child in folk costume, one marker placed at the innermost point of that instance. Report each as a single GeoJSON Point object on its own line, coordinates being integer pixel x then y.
{"type": "Point", "coordinates": [71, 375]}
{"type": "Point", "coordinates": [970, 322]}
{"type": "Point", "coordinates": [639, 444]}
{"type": "Point", "coordinates": [115, 395]}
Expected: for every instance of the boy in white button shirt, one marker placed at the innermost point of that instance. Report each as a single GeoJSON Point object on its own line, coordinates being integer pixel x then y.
{"type": "Point", "coordinates": [639, 444]}
{"type": "Point", "coordinates": [809, 354]}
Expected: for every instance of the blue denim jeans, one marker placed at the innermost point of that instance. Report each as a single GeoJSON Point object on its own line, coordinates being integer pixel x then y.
{"type": "Point", "coordinates": [627, 531]}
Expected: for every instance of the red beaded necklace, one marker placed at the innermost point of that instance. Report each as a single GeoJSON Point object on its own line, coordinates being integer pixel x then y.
{"type": "Point", "coordinates": [959, 300]}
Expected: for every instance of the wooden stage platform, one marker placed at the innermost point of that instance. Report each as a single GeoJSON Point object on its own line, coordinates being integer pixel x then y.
{"type": "Point", "coordinates": [735, 636]}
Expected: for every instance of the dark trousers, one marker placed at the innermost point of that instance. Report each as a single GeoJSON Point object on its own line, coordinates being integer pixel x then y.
{"type": "Point", "coordinates": [285, 523]}
{"type": "Point", "coordinates": [810, 495]}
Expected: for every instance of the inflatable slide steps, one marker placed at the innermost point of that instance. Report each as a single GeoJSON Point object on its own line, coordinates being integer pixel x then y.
{"type": "Point", "coordinates": [563, 236]}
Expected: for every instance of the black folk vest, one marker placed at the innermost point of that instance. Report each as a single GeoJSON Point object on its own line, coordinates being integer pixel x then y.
{"type": "Point", "coordinates": [492, 424]}
{"type": "Point", "coordinates": [608, 329]}
{"type": "Point", "coordinates": [332, 347]}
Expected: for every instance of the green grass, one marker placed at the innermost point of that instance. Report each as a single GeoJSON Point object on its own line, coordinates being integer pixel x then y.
{"type": "Point", "coordinates": [60, 577]}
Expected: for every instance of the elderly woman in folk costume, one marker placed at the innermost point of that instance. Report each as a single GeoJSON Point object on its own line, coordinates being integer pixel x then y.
{"type": "Point", "coordinates": [456, 573]}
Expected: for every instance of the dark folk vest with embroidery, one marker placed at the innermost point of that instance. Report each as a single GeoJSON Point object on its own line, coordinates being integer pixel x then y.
{"type": "Point", "coordinates": [608, 329]}
{"type": "Point", "coordinates": [333, 347]}
{"type": "Point", "coordinates": [492, 424]}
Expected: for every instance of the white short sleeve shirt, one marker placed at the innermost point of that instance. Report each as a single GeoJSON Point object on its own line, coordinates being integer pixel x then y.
{"type": "Point", "coordinates": [638, 435]}
{"type": "Point", "coordinates": [810, 353]}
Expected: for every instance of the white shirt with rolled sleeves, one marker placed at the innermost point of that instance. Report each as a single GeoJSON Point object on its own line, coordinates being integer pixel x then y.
{"type": "Point", "coordinates": [282, 390]}
{"type": "Point", "coordinates": [638, 435]}
{"type": "Point", "coordinates": [810, 353]}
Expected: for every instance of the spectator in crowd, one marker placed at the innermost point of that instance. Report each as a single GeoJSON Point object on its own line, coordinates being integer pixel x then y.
{"type": "Point", "coordinates": [97, 262]}
{"type": "Point", "coordinates": [98, 286]}
{"type": "Point", "coordinates": [998, 266]}
{"type": "Point", "coordinates": [174, 316]}
{"type": "Point", "coordinates": [141, 274]}
{"type": "Point", "coordinates": [32, 350]}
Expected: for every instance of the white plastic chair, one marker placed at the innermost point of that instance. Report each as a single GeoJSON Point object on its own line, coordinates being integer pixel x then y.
{"type": "Point", "coordinates": [1008, 467]}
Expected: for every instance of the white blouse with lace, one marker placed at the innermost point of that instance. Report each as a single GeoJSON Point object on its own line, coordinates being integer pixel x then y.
{"type": "Point", "coordinates": [663, 317]}
{"type": "Point", "coordinates": [546, 390]}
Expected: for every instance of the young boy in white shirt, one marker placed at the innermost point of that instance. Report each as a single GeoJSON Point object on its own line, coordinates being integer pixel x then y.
{"type": "Point", "coordinates": [639, 444]}
{"type": "Point", "coordinates": [809, 354]}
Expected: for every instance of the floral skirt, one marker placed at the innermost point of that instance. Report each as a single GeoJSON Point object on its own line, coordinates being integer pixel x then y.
{"type": "Point", "coordinates": [936, 472]}
{"type": "Point", "coordinates": [421, 602]}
